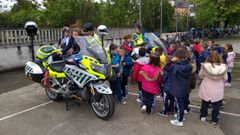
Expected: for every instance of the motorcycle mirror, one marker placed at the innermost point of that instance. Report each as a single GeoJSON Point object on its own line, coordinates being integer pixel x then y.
{"type": "Point", "coordinates": [102, 29]}
{"type": "Point", "coordinates": [31, 28]}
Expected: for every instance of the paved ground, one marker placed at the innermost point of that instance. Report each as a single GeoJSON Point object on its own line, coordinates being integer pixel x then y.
{"type": "Point", "coordinates": [51, 118]}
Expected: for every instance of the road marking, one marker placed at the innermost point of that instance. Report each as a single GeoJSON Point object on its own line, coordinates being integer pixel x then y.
{"type": "Point", "coordinates": [135, 94]}
{"type": "Point", "coordinates": [27, 110]}
{"type": "Point", "coordinates": [194, 106]}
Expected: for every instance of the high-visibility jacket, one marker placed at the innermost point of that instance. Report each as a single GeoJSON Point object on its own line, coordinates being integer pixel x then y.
{"type": "Point", "coordinates": [138, 39]}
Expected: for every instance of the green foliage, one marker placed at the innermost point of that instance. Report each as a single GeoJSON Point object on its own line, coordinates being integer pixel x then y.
{"type": "Point", "coordinates": [213, 13]}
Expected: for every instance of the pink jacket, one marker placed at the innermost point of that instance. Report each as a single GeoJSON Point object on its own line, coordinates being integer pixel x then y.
{"type": "Point", "coordinates": [212, 85]}
{"type": "Point", "coordinates": [151, 71]}
{"type": "Point", "coordinates": [230, 59]}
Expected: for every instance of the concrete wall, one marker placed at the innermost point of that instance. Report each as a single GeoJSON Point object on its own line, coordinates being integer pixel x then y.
{"type": "Point", "coordinates": [13, 57]}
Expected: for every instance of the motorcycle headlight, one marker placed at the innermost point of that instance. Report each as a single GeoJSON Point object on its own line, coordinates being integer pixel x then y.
{"type": "Point", "coordinates": [100, 69]}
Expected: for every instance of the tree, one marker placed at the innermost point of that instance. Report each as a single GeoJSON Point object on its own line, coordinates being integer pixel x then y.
{"type": "Point", "coordinates": [216, 13]}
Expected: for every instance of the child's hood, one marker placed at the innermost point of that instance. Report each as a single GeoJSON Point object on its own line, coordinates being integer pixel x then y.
{"type": "Point", "coordinates": [232, 53]}
{"type": "Point", "coordinates": [150, 70]}
{"type": "Point", "coordinates": [143, 60]}
{"type": "Point", "coordinates": [214, 71]}
{"type": "Point", "coordinates": [183, 68]}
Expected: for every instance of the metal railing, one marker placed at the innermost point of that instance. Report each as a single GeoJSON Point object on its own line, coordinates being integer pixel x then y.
{"type": "Point", "coordinates": [19, 37]}
{"type": "Point", "coordinates": [46, 36]}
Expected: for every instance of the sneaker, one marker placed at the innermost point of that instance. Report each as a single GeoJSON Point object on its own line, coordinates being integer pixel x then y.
{"type": "Point", "coordinates": [203, 119]}
{"type": "Point", "coordinates": [176, 123]}
{"type": "Point", "coordinates": [215, 123]}
{"type": "Point", "coordinates": [185, 111]}
{"type": "Point", "coordinates": [123, 102]}
{"type": "Point", "coordinates": [162, 114]}
{"type": "Point", "coordinates": [228, 85]}
{"type": "Point", "coordinates": [139, 100]}
{"type": "Point", "coordinates": [144, 108]}
{"type": "Point", "coordinates": [176, 116]}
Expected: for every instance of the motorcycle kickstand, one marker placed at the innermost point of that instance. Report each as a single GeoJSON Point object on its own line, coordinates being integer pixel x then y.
{"type": "Point", "coordinates": [66, 102]}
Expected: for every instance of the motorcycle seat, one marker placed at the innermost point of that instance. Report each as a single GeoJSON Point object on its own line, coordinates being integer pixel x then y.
{"type": "Point", "coordinates": [57, 66]}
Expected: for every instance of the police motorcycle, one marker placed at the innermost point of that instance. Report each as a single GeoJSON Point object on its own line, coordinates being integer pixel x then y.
{"type": "Point", "coordinates": [151, 44]}
{"type": "Point", "coordinates": [80, 77]}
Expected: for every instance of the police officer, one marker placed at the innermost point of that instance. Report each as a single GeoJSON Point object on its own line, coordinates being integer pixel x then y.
{"type": "Point", "coordinates": [138, 38]}
{"type": "Point", "coordinates": [88, 30]}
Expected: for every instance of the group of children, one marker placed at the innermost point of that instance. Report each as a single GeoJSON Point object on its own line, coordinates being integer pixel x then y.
{"type": "Point", "coordinates": [172, 75]}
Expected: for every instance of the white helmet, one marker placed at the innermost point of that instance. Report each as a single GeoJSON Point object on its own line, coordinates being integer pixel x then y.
{"type": "Point", "coordinates": [103, 30]}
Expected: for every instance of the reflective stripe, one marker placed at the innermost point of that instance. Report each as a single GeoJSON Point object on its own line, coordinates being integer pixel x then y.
{"type": "Point", "coordinates": [97, 38]}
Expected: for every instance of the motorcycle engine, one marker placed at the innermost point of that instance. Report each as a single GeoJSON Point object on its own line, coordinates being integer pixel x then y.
{"type": "Point", "coordinates": [84, 93]}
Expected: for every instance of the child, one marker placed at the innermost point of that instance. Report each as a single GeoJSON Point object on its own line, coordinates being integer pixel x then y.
{"type": "Point", "coordinates": [179, 74]}
{"type": "Point", "coordinates": [138, 64]}
{"type": "Point", "coordinates": [127, 64]}
{"type": "Point", "coordinates": [168, 99]}
{"type": "Point", "coordinates": [115, 81]}
{"type": "Point", "coordinates": [128, 43]}
{"type": "Point", "coordinates": [150, 82]}
{"type": "Point", "coordinates": [213, 75]}
{"type": "Point", "coordinates": [230, 61]}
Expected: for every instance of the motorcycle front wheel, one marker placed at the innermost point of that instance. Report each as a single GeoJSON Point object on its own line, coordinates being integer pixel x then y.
{"type": "Point", "coordinates": [103, 106]}
{"type": "Point", "coordinates": [53, 95]}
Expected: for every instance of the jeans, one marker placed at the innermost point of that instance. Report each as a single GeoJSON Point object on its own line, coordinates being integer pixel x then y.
{"type": "Point", "coordinates": [140, 91]}
{"type": "Point", "coordinates": [180, 107]}
{"type": "Point", "coordinates": [124, 85]}
{"type": "Point", "coordinates": [168, 106]}
{"type": "Point", "coordinates": [229, 77]}
{"type": "Point", "coordinates": [148, 99]}
{"type": "Point", "coordinates": [115, 86]}
{"type": "Point", "coordinates": [215, 110]}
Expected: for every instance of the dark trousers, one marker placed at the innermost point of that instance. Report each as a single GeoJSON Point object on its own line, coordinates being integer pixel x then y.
{"type": "Point", "coordinates": [115, 86]}
{"type": "Point", "coordinates": [180, 107]}
{"type": "Point", "coordinates": [148, 99]}
{"type": "Point", "coordinates": [229, 77]}
{"type": "Point", "coordinates": [215, 110]}
{"type": "Point", "coordinates": [168, 102]}
{"type": "Point", "coordinates": [186, 103]}
{"type": "Point", "coordinates": [124, 85]}
{"type": "Point", "coordinates": [140, 91]}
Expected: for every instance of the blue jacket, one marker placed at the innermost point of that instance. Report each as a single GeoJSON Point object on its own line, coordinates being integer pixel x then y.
{"type": "Point", "coordinates": [115, 60]}
{"type": "Point", "coordinates": [128, 65]}
{"type": "Point", "coordinates": [179, 75]}
{"type": "Point", "coordinates": [203, 56]}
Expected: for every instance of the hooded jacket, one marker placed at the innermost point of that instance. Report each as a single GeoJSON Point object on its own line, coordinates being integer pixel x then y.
{"type": "Point", "coordinates": [230, 59]}
{"type": "Point", "coordinates": [179, 75]}
{"type": "Point", "coordinates": [151, 71]}
{"type": "Point", "coordinates": [139, 63]}
{"type": "Point", "coordinates": [213, 77]}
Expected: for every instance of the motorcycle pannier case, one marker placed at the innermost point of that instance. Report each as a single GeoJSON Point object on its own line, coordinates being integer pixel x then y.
{"type": "Point", "coordinates": [46, 50]}
{"type": "Point", "coordinates": [34, 72]}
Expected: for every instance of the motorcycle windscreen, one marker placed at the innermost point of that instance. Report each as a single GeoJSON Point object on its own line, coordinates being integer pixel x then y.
{"type": "Point", "coordinates": [91, 47]}
{"type": "Point", "coordinates": [154, 40]}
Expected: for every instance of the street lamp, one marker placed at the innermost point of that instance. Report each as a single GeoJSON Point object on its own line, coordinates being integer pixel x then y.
{"type": "Point", "coordinates": [31, 28]}
{"type": "Point", "coordinates": [140, 11]}
{"type": "Point", "coordinates": [161, 6]}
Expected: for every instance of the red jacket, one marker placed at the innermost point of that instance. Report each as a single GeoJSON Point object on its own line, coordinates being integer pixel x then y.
{"type": "Point", "coordinates": [197, 48]}
{"type": "Point", "coordinates": [128, 47]}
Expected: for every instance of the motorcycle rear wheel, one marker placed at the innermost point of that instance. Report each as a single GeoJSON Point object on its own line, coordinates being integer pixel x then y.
{"type": "Point", "coordinates": [103, 106]}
